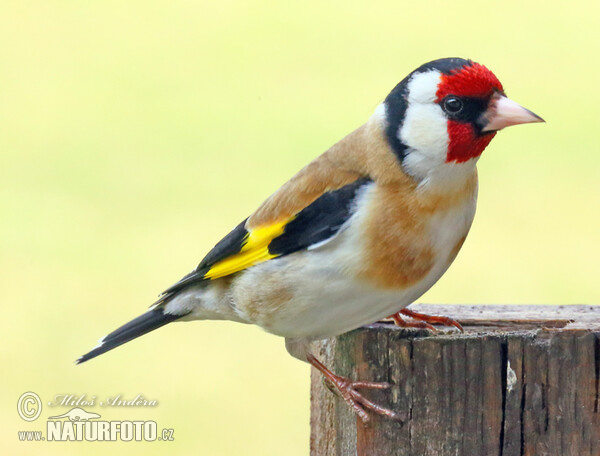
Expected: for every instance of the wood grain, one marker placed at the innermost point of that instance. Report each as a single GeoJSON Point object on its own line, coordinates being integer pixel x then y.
{"type": "Point", "coordinates": [521, 380]}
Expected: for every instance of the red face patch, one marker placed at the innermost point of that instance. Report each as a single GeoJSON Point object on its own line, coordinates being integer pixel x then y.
{"type": "Point", "coordinates": [474, 80]}
{"type": "Point", "coordinates": [464, 143]}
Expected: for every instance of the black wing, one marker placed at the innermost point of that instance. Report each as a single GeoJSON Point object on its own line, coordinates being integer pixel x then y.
{"type": "Point", "coordinates": [316, 223]}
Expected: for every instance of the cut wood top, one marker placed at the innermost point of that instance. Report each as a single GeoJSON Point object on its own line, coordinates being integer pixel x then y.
{"type": "Point", "coordinates": [474, 318]}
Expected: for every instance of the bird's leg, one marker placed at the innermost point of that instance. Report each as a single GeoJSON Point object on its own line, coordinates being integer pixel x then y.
{"type": "Point", "coordinates": [348, 391]}
{"type": "Point", "coordinates": [424, 321]}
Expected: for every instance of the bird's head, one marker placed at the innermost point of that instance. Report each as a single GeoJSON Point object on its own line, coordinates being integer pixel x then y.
{"type": "Point", "coordinates": [441, 117]}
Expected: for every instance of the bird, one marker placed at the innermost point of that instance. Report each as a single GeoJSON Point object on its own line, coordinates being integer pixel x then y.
{"type": "Point", "coordinates": [359, 233]}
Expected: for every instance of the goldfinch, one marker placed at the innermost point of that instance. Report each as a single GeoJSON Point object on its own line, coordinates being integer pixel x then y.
{"type": "Point", "coordinates": [360, 232]}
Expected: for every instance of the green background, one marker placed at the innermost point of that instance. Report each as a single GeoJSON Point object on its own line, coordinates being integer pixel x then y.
{"type": "Point", "coordinates": [133, 135]}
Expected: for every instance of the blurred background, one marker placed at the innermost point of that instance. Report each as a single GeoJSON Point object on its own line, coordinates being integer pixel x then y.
{"type": "Point", "coordinates": [134, 135]}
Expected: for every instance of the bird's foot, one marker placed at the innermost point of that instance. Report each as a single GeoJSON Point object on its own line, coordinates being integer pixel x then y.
{"type": "Point", "coordinates": [399, 321]}
{"type": "Point", "coordinates": [423, 320]}
{"type": "Point", "coordinates": [347, 389]}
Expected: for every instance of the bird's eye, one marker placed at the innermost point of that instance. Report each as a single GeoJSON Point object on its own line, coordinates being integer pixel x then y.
{"type": "Point", "coordinates": [453, 105]}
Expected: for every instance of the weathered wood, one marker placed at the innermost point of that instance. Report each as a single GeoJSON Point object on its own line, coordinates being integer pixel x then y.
{"type": "Point", "coordinates": [521, 380]}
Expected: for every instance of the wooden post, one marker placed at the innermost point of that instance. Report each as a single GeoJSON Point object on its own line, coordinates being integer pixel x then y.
{"type": "Point", "coordinates": [521, 380]}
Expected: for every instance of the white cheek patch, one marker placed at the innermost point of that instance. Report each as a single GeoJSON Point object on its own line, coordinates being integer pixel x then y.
{"type": "Point", "coordinates": [422, 87]}
{"type": "Point", "coordinates": [425, 128]}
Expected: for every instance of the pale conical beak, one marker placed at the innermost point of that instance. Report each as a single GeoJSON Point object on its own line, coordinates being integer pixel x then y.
{"type": "Point", "coordinates": [503, 112]}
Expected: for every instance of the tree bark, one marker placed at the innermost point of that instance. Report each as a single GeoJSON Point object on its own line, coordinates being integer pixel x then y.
{"type": "Point", "coordinates": [521, 380]}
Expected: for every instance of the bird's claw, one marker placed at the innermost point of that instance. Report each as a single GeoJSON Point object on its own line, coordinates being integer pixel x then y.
{"type": "Point", "coordinates": [424, 321]}
{"type": "Point", "coordinates": [401, 322]}
{"type": "Point", "coordinates": [347, 389]}
{"type": "Point", "coordinates": [359, 403]}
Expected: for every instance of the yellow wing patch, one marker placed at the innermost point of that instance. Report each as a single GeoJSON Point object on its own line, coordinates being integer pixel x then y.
{"type": "Point", "coordinates": [255, 250]}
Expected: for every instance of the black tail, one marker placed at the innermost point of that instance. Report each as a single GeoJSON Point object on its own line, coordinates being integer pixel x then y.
{"type": "Point", "coordinates": [137, 327]}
